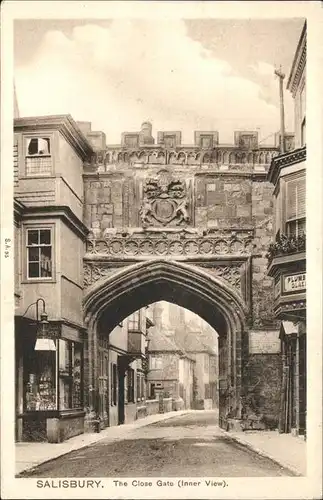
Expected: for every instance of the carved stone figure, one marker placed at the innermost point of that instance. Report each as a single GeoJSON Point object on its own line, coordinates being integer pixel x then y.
{"type": "Point", "coordinates": [182, 213]}
{"type": "Point", "coordinates": [145, 212]}
{"type": "Point", "coordinates": [165, 201]}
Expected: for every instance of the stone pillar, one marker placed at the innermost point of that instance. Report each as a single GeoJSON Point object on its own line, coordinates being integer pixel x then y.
{"type": "Point", "coordinates": [91, 421]}
{"type": "Point", "coordinates": [239, 362]}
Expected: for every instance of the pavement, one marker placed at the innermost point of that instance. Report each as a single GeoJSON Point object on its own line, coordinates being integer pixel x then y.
{"type": "Point", "coordinates": [30, 455]}
{"type": "Point", "coordinates": [287, 451]}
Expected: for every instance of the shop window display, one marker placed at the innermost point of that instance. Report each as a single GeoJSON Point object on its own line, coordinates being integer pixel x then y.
{"type": "Point", "coordinates": [45, 368]}
{"type": "Point", "coordinates": [40, 391]}
{"type": "Point", "coordinates": [70, 361]}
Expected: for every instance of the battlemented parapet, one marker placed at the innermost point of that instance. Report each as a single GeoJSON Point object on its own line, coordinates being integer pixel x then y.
{"type": "Point", "coordinates": [138, 150]}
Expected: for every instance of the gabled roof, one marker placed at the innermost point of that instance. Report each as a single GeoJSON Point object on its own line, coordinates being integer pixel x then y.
{"type": "Point", "coordinates": [194, 343]}
{"type": "Point", "coordinates": [161, 342]}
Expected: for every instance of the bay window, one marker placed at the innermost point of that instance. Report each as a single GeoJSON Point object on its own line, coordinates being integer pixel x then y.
{"type": "Point", "coordinates": [134, 322]}
{"type": "Point", "coordinates": [39, 253]}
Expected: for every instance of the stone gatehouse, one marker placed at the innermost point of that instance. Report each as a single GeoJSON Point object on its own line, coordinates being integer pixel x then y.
{"type": "Point", "coordinates": [158, 220]}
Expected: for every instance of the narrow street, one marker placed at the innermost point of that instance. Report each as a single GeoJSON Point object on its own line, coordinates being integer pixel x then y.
{"type": "Point", "coordinates": [187, 445]}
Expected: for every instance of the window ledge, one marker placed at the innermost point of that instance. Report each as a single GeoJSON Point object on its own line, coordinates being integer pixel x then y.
{"type": "Point", "coordinates": [33, 281]}
{"type": "Point", "coordinates": [48, 176]}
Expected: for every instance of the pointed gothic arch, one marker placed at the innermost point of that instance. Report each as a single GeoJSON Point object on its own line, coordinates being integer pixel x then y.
{"type": "Point", "coordinates": [110, 299]}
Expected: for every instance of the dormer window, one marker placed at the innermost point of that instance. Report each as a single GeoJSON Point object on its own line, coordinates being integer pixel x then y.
{"type": "Point", "coordinates": [38, 156]}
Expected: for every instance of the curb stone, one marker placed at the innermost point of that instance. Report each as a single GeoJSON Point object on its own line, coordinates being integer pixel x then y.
{"type": "Point", "coordinates": [263, 453]}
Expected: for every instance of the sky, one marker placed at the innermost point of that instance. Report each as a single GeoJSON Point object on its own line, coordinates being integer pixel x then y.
{"type": "Point", "coordinates": [186, 75]}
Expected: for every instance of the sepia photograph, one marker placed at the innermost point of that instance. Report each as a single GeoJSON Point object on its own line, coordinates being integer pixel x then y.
{"type": "Point", "coordinates": [158, 253]}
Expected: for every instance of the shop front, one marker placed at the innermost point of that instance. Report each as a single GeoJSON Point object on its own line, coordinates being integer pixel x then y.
{"type": "Point", "coordinates": [293, 402]}
{"type": "Point", "coordinates": [289, 272]}
{"type": "Point", "coordinates": [49, 382]}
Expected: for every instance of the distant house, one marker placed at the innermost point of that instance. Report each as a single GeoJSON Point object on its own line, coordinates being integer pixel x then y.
{"type": "Point", "coordinates": [206, 371]}
{"type": "Point", "coordinates": [183, 359]}
{"type": "Point", "coordinates": [171, 369]}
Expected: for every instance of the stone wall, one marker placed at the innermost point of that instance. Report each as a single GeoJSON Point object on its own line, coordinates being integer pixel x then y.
{"type": "Point", "coordinates": [223, 201]}
{"type": "Point", "coordinates": [262, 284]}
{"type": "Point", "coordinates": [264, 387]}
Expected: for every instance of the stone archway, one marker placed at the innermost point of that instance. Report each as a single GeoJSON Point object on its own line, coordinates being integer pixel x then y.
{"type": "Point", "coordinates": [110, 299]}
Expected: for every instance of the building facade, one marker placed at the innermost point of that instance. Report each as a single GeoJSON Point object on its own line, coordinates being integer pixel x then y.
{"type": "Point", "coordinates": [206, 371]}
{"type": "Point", "coordinates": [122, 382]}
{"type": "Point", "coordinates": [200, 342]}
{"type": "Point", "coordinates": [49, 248]}
{"type": "Point", "coordinates": [287, 255]}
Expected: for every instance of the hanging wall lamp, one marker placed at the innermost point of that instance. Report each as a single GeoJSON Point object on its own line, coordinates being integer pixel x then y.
{"type": "Point", "coordinates": [44, 342]}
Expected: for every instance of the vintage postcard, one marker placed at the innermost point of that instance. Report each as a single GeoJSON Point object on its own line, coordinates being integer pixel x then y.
{"type": "Point", "coordinates": [161, 259]}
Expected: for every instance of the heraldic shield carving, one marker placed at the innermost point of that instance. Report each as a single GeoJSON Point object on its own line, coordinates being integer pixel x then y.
{"type": "Point", "coordinates": [165, 201]}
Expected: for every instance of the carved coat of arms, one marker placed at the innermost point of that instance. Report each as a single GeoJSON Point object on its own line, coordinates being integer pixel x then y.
{"type": "Point", "coordinates": [165, 201]}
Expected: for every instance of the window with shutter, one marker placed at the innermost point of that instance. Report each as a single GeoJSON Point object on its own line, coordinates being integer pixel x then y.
{"type": "Point", "coordinates": [295, 207]}
{"type": "Point", "coordinates": [295, 199]}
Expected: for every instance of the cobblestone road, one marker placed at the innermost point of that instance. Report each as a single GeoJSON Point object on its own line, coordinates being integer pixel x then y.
{"type": "Point", "coordinates": [187, 445]}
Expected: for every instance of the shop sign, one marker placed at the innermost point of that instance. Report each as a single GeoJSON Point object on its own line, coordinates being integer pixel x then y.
{"type": "Point", "coordinates": [295, 282]}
